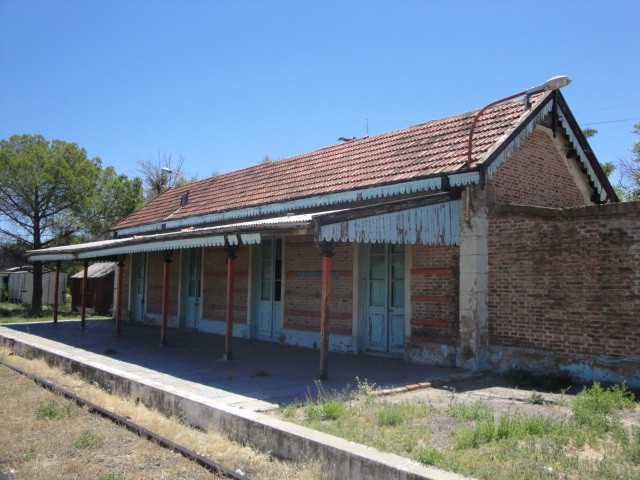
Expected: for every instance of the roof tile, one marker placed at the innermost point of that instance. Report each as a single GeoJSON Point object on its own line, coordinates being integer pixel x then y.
{"type": "Point", "coordinates": [431, 148]}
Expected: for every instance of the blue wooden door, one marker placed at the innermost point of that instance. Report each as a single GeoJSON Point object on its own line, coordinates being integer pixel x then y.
{"type": "Point", "coordinates": [384, 330]}
{"type": "Point", "coordinates": [270, 289]}
{"type": "Point", "coordinates": [194, 285]}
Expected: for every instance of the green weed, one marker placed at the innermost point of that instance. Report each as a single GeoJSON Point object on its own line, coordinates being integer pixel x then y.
{"type": "Point", "coordinates": [88, 440]}
{"type": "Point", "coordinates": [515, 426]}
{"type": "Point", "coordinates": [390, 415]}
{"type": "Point", "coordinates": [53, 410]}
{"type": "Point", "coordinates": [632, 447]}
{"type": "Point", "coordinates": [428, 456]}
{"type": "Point", "coordinates": [333, 410]}
{"type": "Point", "coordinates": [476, 411]}
{"type": "Point", "coordinates": [27, 454]}
{"type": "Point", "coordinates": [290, 410]}
{"type": "Point", "coordinates": [594, 407]}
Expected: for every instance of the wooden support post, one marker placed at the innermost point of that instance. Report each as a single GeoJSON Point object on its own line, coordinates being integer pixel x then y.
{"type": "Point", "coordinates": [327, 253]}
{"type": "Point", "coordinates": [55, 295]}
{"type": "Point", "coordinates": [165, 297]}
{"type": "Point", "coordinates": [119, 295]}
{"type": "Point", "coordinates": [85, 286]}
{"type": "Point", "coordinates": [231, 260]}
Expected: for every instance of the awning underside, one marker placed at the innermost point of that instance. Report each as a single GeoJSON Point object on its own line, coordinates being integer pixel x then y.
{"type": "Point", "coordinates": [433, 220]}
{"type": "Point", "coordinates": [437, 224]}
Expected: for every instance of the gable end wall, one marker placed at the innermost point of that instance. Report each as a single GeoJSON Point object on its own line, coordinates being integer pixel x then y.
{"type": "Point", "coordinates": [536, 174]}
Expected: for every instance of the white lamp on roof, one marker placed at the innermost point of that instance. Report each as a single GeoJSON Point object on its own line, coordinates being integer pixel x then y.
{"type": "Point", "coordinates": [554, 83]}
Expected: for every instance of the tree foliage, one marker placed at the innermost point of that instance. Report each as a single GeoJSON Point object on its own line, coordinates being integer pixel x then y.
{"type": "Point", "coordinates": [51, 192]}
{"type": "Point", "coordinates": [630, 170]}
{"type": "Point", "coordinates": [161, 174]}
{"type": "Point", "coordinates": [116, 197]}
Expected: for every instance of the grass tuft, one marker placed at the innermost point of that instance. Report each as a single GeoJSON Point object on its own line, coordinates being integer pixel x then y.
{"type": "Point", "coordinates": [53, 410]}
{"type": "Point", "coordinates": [516, 426]}
{"type": "Point", "coordinates": [595, 407]}
{"type": "Point", "coordinates": [632, 447]}
{"type": "Point", "coordinates": [475, 411]}
{"type": "Point", "coordinates": [27, 454]}
{"type": "Point", "coordinates": [429, 456]}
{"type": "Point", "coordinates": [390, 415]}
{"type": "Point", "coordinates": [88, 440]}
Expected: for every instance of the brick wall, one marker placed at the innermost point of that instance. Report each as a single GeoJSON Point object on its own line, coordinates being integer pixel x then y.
{"type": "Point", "coordinates": [434, 294]}
{"type": "Point", "coordinates": [566, 281]}
{"type": "Point", "coordinates": [214, 287]}
{"type": "Point", "coordinates": [535, 175]}
{"type": "Point", "coordinates": [155, 269]}
{"type": "Point", "coordinates": [303, 286]}
{"type": "Point", "coordinates": [126, 282]}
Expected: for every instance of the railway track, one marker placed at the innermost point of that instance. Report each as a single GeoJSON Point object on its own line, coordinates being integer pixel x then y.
{"type": "Point", "coordinates": [204, 462]}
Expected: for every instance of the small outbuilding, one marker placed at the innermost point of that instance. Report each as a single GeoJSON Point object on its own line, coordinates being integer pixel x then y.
{"type": "Point", "coordinates": [99, 288]}
{"type": "Point", "coordinates": [17, 285]}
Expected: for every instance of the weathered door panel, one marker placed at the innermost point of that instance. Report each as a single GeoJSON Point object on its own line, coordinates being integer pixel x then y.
{"type": "Point", "coordinates": [139, 267]}
{"type": "Point", "coordinates": [270, 289]}
{"type": "Point", "coordinates": [384, 330]}
{"type": "Point", "coordinates": [194, 272]}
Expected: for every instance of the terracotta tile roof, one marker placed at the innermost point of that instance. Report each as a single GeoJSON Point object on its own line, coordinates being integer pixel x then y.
{"type": "Point", "coordinates": [427, 149]}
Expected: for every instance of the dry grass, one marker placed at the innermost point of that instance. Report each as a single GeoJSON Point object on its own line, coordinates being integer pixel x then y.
{"type": "Point", "coordinates": [28, 436]}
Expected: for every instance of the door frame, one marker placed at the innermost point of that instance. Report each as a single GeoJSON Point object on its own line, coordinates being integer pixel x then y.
{"type": "Point", "coordinates": [277, 316]}
{"type": "Point", "coordinates": [184, 288]}
{"type": "Point", "coordinates": [136, 260]}
{"type": "Point", "coordinates": [363, 286]}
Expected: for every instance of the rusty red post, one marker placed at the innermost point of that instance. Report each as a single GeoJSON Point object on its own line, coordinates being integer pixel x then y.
{"type": "Point", "coordinates": [55, 295]}
{"type": "Point", "coordinates": [119, 296]}
{"type": "Point", "coordinates": [231, 260]}
{"type": "Point", "coordinates": [327, 253]}
{"type": "Point", "coordinates": [165, 297]}
{"type": "Point", "coordinates": [85, 286]}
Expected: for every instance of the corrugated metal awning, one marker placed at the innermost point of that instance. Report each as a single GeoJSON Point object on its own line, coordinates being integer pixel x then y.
{"type": "Point", "coordinates": [432, 220]}
{"type": "Point", "coordinates": [427, 220]}
{"type": "Point", "coordinates": [97, 270]}
{"type": "Point", "coordinates": [232, 234]}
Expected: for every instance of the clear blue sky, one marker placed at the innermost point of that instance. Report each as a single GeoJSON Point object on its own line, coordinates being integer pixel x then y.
{"type": "Point", "coordinates": [224, 83]}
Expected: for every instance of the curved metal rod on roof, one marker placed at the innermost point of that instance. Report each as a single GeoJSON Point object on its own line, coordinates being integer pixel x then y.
{"type": "Point", "coordinates": [554, 83]}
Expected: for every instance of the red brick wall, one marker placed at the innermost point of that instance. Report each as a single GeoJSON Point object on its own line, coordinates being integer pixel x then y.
{"type": "Point", "coordinates": [214, 295]}
{"type": "Point", "coordinates": [535, 175]}
{"type": "Point", "coordinates": [566, 281]}
{"type": "Point", "coordinates": [303, 286]}
{"type": "Point", "coordinates": [434, 294]}
{"type": "Point", "coordinates": [155, 273]}
{"type": "Point", "coordinates": [126, 282]}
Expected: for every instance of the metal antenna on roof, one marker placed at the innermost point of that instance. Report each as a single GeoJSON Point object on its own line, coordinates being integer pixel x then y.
{"type": "Point", "coordinates": [367, 125]}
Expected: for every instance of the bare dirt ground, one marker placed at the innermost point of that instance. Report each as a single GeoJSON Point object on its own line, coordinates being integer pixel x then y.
{"type": "Point", "coordinates": [44, 448]}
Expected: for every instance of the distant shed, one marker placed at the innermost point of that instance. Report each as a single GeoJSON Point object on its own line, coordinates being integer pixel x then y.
{"type": "Point", "coordinates": [100, 277]}
{"type": "Point", "coordinates": [17, 285]}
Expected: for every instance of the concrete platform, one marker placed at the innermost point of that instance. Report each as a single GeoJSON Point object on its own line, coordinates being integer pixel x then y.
{"type": "Point", "coordinates": [189, 378]}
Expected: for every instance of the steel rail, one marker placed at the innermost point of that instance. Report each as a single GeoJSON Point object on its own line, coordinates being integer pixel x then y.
{"type": "Point", "coordinates": [210, 465]}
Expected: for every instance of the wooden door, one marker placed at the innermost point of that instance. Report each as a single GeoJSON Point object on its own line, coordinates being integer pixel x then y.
{"type": "Point", "coordinates": [270, 289]}
{"type": "Point", "coordinates": [384, 330]}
